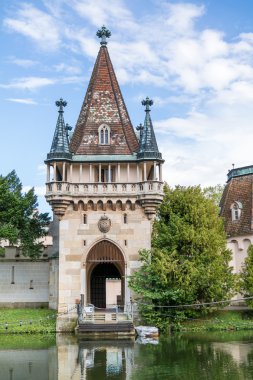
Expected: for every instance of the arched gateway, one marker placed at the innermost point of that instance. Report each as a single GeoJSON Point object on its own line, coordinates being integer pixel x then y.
{"type": "Point", "coordinates": [105, 267]}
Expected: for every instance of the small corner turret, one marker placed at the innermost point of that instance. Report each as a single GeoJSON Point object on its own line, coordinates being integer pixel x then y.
{"type": "Point", "coordinates": [60, 144]}
{"type": "Point", "coordinates": [148, 146]}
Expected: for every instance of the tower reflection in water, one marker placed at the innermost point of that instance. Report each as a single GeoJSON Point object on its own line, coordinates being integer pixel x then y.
{"type": "Point", "coordinates": [106, 359]}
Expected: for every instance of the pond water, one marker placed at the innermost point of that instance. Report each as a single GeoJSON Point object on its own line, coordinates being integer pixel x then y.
{"type": "Point", "coordinates": [182, 356]}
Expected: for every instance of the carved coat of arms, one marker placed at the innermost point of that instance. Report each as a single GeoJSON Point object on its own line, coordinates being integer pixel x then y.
{"type": "Point", "coordinates": [104, 224]}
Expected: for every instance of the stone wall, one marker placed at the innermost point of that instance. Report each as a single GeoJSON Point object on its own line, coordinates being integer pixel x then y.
{"type": "Point", "coordinates": [24, 283]}
{"type": "Point", "coordinates": [77, 238]}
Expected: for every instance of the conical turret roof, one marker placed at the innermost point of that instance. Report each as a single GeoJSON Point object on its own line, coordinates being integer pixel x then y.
{"type": "Point", "coordinates": [60, 143]}
{"type": "Point", "coordinates": [148, 145]}
{"type": "Point", "coordinates": [103, 106]}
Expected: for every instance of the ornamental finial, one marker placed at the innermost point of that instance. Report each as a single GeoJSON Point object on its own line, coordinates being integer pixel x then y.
{"type": "Point", "coordinates": [147, 102]}
{"type": "Point", "coordinates": [103, 33]}
{"type": "Point", "coordinates": [61, 103]}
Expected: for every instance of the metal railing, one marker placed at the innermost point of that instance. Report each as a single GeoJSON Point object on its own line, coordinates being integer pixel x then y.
{"type": "Point", "coordinates": [89, 312]}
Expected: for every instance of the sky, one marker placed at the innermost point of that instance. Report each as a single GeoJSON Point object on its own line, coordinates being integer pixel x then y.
{"type": "Point", "coordinates": [194, 59]}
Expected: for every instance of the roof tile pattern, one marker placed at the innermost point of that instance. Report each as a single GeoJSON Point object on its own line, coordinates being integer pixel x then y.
{"type": "Point", "coordinates": [103, 104]}
{"type": "Point", "coordinates": [238, 189]}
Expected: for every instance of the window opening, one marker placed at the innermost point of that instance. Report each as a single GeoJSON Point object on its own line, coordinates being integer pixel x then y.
{"type": "Point", "coordinates": [236, 209]}
{"type": "Point", "coordinates": [104, 135]}
{"type": "Point", "coordinates": [12, 274]}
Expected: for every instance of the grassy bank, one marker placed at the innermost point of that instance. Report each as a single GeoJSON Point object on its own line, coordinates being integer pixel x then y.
{"type": "Point", "coordinates": [223, 320]}
{"type": "Point", "coordinates": [27, 321]}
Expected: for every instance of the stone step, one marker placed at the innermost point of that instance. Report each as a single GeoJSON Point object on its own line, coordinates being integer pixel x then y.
{"type": "Point", "coordinates": [120, 327]}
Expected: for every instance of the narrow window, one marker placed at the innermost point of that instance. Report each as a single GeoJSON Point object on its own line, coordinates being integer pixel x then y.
{"type": "Point", "coordinates": [12, 274]}
{"type": "Point", "coordinates": [236, 209]}
{"type": "Point", "coordinates": [125, 218]}
{"type": "Point", "coordinates": [106, 139]}
{"type": "Point", "coordinates": [84, 219]}
{"type": "Point", "coordinates": [104, 135]}
{"type": "Point", "coordinates": [125, 242]}
{"type": "Point", "coordinates": [84, 242]}
{"type": "Point", "coordinates": [31, 284]}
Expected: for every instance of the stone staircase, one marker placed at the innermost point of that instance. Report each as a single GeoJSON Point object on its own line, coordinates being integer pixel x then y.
{"type": "Point", "coordinates": [106, 323]}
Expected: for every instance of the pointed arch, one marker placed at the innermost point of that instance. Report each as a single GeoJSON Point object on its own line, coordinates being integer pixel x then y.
{"type": "Point", "coordinates": [104, 260]}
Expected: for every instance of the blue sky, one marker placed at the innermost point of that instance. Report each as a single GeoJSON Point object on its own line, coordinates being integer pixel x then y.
{"type": "Point", "coordinates": [194, 59]}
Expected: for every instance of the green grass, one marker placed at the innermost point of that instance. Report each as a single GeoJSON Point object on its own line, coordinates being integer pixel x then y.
{"type": "Point", "coordinates": [17, 321]}
{"type": "Point", "coordinates": [221, 321]}
{"type": "Point", "coordinates": [26, 341]}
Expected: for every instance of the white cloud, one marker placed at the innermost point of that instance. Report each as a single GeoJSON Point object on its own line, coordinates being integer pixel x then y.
{"type": "Point", "coordinates": [22, 101]}
{"type": "Point", "coordinates": [182, 15]}
{"type": "Point", "coordinates": [23, 62]}
{"type": "Point", "coordinates": [69, 69]}
{"type": "Point", "coordinates": [35, 24]}
{"type": "Point", "coordinates": [28, 83]}
{"type": "Point", "coordinates": [100, 13]}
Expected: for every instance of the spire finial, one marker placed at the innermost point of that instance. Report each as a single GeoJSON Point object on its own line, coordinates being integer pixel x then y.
{"type": "Point", "coordinates": [61, 103]}
{"type": "Point", "coordinates": [147, 102]}
{"type": "Point", "coordinates": [103, 33]}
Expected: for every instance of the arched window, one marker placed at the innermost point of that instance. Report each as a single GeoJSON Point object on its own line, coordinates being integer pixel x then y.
{"type": "Point", "coordinates": [236, 209]}
{"type": "Point", "coordinates": [104, 134]}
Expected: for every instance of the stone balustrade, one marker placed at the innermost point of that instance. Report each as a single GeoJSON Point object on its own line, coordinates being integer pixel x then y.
{"type": "Point", "coordinates": [108, 189]}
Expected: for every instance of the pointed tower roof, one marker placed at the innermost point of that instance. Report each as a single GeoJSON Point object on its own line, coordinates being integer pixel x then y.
{"type": "Point", "coordinates": [148, 145]}
{"type": "Point", "coordinates": [60, 144]}
{"type": "Point", "coordinates": [103, 106]}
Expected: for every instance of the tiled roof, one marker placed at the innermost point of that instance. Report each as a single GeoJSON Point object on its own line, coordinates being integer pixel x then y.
{"type": "Point", "coordinates": [103, 104]}
{"type": "Point", "coordinates": [238, 189]}
{"type": "Point", "coordinates": [60, 143]}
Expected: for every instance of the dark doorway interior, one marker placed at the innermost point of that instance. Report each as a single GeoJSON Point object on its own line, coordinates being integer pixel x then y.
{"type": "Point", "coordinates": [98, 282]}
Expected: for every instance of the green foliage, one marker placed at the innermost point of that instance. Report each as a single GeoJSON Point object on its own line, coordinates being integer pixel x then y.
{"type": "Point", "coordinates": [246, 276]}
{"type": "Point", "coordinates": [188, 262]}
{"type": "Point", "coordinates": [20, 221]}
{"type": "Point", "coordinates": [221, 320]}
{"type": "Point", "coordinates": [214, 193]}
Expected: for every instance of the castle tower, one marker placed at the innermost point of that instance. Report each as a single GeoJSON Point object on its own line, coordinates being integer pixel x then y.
{"type": "Point", "coordinates": [104, 186]}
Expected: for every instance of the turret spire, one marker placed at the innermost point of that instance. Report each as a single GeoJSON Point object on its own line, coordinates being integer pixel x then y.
{"type": "Point", "coordinates": [60, 144]}
{"type": "Point", "coordinates": [103, 33]}
{"type": "Point", "coordinates": [148, 144]}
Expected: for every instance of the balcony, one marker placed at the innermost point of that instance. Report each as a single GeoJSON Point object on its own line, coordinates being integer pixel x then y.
{"type": "Point", "coordinates": [104, 189]}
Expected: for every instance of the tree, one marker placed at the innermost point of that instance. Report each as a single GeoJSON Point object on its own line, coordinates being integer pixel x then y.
{"type": "Point", "coordinates": [246, 277]}
{"type": "Point", "coordinates": [20, 221]}
{"type": "Point", "coordinates": [188, 262]}
{"type": "Point", "coordinates": [214, 193]}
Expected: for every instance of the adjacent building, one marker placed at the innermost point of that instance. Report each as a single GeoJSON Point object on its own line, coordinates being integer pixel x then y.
{"type": "Point", "coordinates": [237, 211]}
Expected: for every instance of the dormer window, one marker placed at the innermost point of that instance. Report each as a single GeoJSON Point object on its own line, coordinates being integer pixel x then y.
{"type": "Point", "coordinates": [104, 134]}
{"type": "Point", "coordinates": [236, 209]}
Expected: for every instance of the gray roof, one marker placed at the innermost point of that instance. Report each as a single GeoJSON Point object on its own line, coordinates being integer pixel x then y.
{"type": "Point", "coordinates": [60, 144]}
{"type": "Point", "coordinates": [148, 145]}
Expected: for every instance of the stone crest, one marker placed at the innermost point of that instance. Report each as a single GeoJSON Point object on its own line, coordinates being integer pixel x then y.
{"type": "Point", "coordinates": [104, 224]}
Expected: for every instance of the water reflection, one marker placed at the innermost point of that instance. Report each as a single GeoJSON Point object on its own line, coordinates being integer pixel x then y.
{"type": "Point", "coordinates": [106, 359]}
{"type": "Point", "coordinates": [188, 356]}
